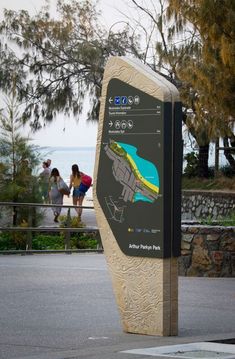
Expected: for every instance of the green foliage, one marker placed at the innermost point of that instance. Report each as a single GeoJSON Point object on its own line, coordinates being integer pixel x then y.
{"type": "Point", "coordinates": [17, 241]}
{"type": "Point", "coordinates": [196, 46]}
{"type": "Point", "coordinates": [191, 169]}
{"type": "Point", "coordinates": [78, 240]}
{"type": "Point", "coordinates": [84, 241]}
{"type": "Point", "coordinates": [211, 64]}
{"type": "Point", "coordinates": [43, 242]}
{"type": "Point", "coordinates": [13, 241]}
{"type": "Point", "coordinates": [216, 183]}
{"type": "Point", "coordinates": [72, 222]}
{"type": "Point", "coordinates": [228, 221]}
{"type": "Point", "coordinates": [18, 159]}
{"type": "Point", "coordinates": [7, 242]}
{"type": "Point", "coordinates": [59, 60]}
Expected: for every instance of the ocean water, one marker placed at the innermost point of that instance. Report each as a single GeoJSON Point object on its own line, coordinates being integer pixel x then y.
{"type": "Point", "coordinates": [64, 157]}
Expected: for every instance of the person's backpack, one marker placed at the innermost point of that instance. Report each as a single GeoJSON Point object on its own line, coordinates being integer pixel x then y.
{"type": "Point", "coordinates": [86, 180]}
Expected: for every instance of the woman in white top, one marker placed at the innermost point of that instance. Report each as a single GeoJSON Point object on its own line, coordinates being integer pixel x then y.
{"type": "Point", "coordinates": [55, 196]}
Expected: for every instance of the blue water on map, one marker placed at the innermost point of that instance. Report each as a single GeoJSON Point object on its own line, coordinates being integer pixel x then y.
{"type": "Point", "coordinates": [141, 197]}
{"type": "Point", "coordinates": [146, 168]}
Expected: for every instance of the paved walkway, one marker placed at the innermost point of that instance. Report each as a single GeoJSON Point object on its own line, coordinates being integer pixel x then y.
{"type": "Point", "coordinates": [62, 306]}
{"type": "Point", "coordinates": [88, 215]}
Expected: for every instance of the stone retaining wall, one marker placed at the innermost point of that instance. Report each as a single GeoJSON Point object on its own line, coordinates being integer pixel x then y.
{"type": "Point", "coordinates": [207, 204]}
{"type": "Point", "coordinates": [207, 251]}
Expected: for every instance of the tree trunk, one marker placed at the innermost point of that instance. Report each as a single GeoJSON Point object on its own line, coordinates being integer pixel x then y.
{"type": "Point", "coordinates": [203, 170]}
{"type": "Point", "coordinates": [217, 157]}
{"type": "Point", "coordinates": [228, 154]}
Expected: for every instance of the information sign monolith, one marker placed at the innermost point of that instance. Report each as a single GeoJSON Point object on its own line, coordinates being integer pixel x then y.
{"type": "Point", "coordinates": [137, 193]}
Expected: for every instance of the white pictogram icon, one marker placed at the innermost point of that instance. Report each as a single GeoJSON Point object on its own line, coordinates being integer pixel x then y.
{"type": "Point", "coordinates": [130, 100]}
{"type": "Point", "coordinates": [123, 125]}
{"type": "Point", "coordinates": [130, 124]}
{"type": "Point", "coordinates": [136, 100]}
{"type": "Point", "coordinates": [117, 124]}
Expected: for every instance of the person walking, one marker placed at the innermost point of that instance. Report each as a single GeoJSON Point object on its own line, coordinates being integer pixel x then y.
{"type": "Point", "coordinates": [79, 190]}
{"type": "Point", "coordinates": [44, 181]}
{"type": "Point", "coordinates": [48, 161]}
{"type": "Point", "coordinates": [56, 197]}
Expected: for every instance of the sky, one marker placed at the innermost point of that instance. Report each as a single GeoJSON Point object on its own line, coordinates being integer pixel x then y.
{"type": "Point", "coordinates": [63, 131]}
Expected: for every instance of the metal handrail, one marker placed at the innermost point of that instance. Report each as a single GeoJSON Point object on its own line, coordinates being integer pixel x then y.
{"type": "Point", "coordinates": [67, 230]}
{"type": "Point", "coordinates": [24, 204]}
{"type": "Point", "coordinates": [49, 229]}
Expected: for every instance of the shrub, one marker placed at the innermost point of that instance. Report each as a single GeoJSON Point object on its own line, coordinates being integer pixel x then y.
{"type": "Point", "coordinates": [191, 169]}
{"type": "Point", "coordinates": [43, 242]}
{"type": "Point", "coordinates": [84, 241]}
{"type": "Point", "coordinates": [227, 171]}
{"type": "Point", "coordinates": [6, 242]}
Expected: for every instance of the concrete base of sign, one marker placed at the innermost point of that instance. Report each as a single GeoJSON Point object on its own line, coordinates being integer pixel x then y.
{"type": "Point", "coordinates": [146, 289]}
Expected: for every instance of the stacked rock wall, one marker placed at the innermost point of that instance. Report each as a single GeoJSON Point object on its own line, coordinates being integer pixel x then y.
{"type": "Point", "coordinates": [207, 251]}
{"type": "Point", "coordinates": [198, 205]}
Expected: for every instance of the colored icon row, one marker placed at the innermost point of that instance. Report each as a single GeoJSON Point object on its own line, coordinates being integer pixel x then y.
{"type": "Point", "coordinates": [121, 124]}
{"type": "Point", "coordinates": [124, 100]}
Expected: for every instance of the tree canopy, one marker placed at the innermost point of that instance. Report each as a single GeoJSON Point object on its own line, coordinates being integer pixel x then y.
{"type": "Point", "coordinates": [195, 47]}
{"type": "Point", "coordinates": [210, 65]}
{"type": "Point", "coordinates": [208, 70]}
{"type": "Point", "coordinates": [57, 62]}
{"type": "Point", "coordinates": [18, 159]}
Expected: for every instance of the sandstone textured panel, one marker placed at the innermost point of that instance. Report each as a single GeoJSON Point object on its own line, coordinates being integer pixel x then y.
{"type": "Point", "coordinates": [146, 289]}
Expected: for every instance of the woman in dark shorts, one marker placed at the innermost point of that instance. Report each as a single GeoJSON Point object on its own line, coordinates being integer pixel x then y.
{"type": "Point", "coordinates": [79, 189]}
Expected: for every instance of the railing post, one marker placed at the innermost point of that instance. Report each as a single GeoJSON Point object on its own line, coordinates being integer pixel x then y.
{"type": "Point", "coordinates": [67, 233]}
{"type": "Point", "coordinates": [98, 238]}
{"type": "Point", "coordinates": [28, 226]}
{"type": "Point", "coordinates": [29, 234]}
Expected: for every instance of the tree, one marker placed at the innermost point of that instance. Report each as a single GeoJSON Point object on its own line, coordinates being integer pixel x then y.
{"type": "Point", "coordinates": [195, 48]}
{"type": "Point", "coordinates": [214, 22]}
{"type": "Point", "coordinates": [210, 66]}
{"type": "Point", "coordinates": [18, 160]}
{"type": "Point", "coordinates": [171, 57]}
{"type": "Point", "coordinates": [61, 61]}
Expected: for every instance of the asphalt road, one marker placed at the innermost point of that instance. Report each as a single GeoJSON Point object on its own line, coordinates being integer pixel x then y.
{"type": "Point", "coordinates": [62, 306]}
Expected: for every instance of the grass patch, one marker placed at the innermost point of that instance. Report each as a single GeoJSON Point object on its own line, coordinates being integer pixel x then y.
{"type": "Point", "coordinates": [216, 183]}
{"type": "Point", "coordinates": [225, 222]}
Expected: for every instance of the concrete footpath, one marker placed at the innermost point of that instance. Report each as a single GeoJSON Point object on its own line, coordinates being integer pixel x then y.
{"type": "Point", "coordinates": [60, 306]}
{"type": "Point", "coordinates": [88, 214]}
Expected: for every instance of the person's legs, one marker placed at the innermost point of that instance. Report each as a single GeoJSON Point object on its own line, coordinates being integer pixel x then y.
{"type": "Point", "coordinates": [80, 201]}
{"type": "Point", "coordinates": [75, 203]}
{"type": "Point", "coordinates": [58, 199]}
{"type": "Point", "coordinates": [52, 196]}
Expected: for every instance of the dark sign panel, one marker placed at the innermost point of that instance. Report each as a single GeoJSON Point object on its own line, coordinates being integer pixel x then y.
{"type": "Point", "coordinates": [131, 173]}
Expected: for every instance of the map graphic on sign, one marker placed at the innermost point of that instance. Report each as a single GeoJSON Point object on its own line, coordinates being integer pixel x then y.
{"type": "Point", "coordinates": [138, 176]}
